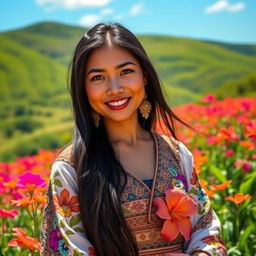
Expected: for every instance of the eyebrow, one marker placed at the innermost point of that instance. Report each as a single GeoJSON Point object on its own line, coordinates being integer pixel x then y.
{"type": "Point", "coordinates": [97, 70]}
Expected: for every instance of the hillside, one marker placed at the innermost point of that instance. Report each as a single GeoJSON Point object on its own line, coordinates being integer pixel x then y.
{"type": "Point", "coordinates": [27, 74]}
{"type": "Point", "coordinates": [34, 102]}
{"type": "Point", "coordinates": [195, 65]}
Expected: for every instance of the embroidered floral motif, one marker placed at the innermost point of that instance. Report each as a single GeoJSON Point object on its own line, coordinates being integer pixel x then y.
{"type": "Point", "coordinates": [202, 195]}
{"type": "Point", "coordinates": [137, 206]}
{"type": "Point", "coordinates": [91, 251]}
{"type": "Point", "coordinates": [63, 249]}
{"type": "Point", "coordinates": [172, 171]}
{"type": "Point", "coordinates": [55, 237]}
{"type": "Point", "coordinates": [148, 234]}
{"type": "Point", "coordinates": [176, 211]}
{"type": "Point", "coordinates": [64, 204]}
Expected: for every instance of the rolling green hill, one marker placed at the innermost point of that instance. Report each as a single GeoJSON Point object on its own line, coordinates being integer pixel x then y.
{"type": "Point", "coordinates": [243, 86]}
{"type": "Point", "coordinates": [27, 74]}
{"type": "Point", "coordinates": [190, 64]}
{"type": "Point", "coordinates": [34, 103]}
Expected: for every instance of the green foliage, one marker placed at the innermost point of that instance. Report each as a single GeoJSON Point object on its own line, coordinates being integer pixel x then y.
{"type": "Point", "coordinates": [246, 86]}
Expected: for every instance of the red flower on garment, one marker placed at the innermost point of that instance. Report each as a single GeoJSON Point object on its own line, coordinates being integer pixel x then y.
{"type": "Point", "coordinates": [65, 204]}
{"type": "Point", "coordinates": [176, 210]}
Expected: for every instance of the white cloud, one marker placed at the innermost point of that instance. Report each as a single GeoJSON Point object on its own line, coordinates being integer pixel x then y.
{"type": "Point", "coordinates": [236, 7]}
{"type": "Point", "coordinates": [89, 20]}
{"type": "Point", "coordinates": [137, 9]}
{"type": "Point", "coordinates": [72, 4]}
{"type": "Point", "coordinates": [107, 11]}
{"type": "Point", "coordinates": [217, 7]}
{"type": "Point", "coordinates": [223, 5]}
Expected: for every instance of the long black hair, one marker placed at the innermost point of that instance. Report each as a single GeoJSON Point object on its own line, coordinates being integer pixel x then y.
{"type": "Point", "coordinates": [100, 176]}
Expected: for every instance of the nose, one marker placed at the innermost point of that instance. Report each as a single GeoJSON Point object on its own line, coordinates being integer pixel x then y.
{"type": "Point", "coordinates": [115, 87]}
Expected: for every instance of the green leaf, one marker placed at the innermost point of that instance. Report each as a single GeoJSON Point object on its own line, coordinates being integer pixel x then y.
{"type": "Point", "coordinates": [243, 238]}
{"type": "Point", "coordinates": [57, 183]}
{"type": "Point", "coordinates": [77, 253]}
{"type": "Point", "coordinates": [193, 191]}
{"type": "Point", "coordinates": [69, 232]}
{"type": "Point", "coordinates": [249, 184]}
{"type": "Point", "coordinates": [74, 220]}
{"type": "Point", "coordinates": [217, 173]}
{"type": "Point", "coordinates": [61, 223]}
{"type": "Point", "coordinates": [78, 229]}
{"type": "Point", "coordinates": [56, 174]}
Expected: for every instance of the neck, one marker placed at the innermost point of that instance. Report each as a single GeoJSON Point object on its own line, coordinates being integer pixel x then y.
{"type": "Point", "coordinates": [127, 131]}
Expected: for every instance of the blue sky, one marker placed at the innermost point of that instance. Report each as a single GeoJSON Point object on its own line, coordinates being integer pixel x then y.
{"type": "Point", "coordinates": [219, 20]}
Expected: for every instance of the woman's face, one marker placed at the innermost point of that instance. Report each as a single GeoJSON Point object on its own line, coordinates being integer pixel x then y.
{"type": "Point", "coordinates": [114, 83]}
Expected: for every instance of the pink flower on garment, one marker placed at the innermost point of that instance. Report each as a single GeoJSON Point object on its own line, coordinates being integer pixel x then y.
{"type": "Point", "coordinates": [176, 210]}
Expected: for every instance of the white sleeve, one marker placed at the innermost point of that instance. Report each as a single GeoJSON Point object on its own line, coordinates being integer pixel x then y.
{"type": "Point", "coordinates": [65, 200]}
{"type": "Point", "coordinates": [205, 223]}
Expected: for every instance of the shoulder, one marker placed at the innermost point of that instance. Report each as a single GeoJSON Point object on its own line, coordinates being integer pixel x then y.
{"type": "Point", "coordinates": [181, 151]}
{"type": "Point", "coordinates": [176, 145]}
{"type": "Point", "coordinates": [66, 155]}
{"type": "Point", "coordinates": [63, 166]}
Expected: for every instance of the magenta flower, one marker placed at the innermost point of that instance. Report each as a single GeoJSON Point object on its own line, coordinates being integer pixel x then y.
{"type": "Point", "coordinates": [55, 236]}
{"type": "Point", "coordinates": [30, 181]}
{"type": "Point", "coordinates": [229, 152]}
{"type": "Point", "coordinates": [8, 213]}
{"type": "Point", "coordinates": [209, 98]}
{"type": "Point", "coordinates": [246, 166]}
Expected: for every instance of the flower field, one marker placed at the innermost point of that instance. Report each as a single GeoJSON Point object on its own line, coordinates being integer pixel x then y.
{"type": "Point", "coordinates": [224, 151]}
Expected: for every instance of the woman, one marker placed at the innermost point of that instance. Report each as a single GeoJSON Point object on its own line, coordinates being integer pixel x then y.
{"type": "Point", "coordinates": [120, 189]}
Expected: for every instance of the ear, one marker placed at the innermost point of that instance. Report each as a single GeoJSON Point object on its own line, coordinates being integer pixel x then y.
{"type": "Point", "coordinates": [145, 78]}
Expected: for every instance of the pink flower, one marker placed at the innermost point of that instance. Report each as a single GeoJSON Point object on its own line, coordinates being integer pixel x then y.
{"type": "Point", "coordinates": [175, 210]}
{"type": "Point", "coordinates": [246, 166]}
{"type": "Point", "coordinates": [8, 213]}
{"type": "Point", "coordinates": [209, 98]}
{"type": "Point", "coordinates": [229, 152]}
{"type": "Point", "coordinates": [31, 181]}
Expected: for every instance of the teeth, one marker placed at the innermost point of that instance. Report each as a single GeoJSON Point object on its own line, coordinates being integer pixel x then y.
{"type": "Point", "coordinates": [118, 103]}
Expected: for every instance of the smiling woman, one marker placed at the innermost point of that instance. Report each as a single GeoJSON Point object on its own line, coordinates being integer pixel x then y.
{"type": "Point", "coordinates": [120, 188]}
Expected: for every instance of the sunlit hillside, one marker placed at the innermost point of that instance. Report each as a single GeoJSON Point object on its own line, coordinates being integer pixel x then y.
{"type": "Point", "coordinates": [35, 107]}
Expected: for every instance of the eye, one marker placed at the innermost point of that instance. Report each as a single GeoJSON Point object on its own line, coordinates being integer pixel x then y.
{"type": "Point", "coordinates": [126, 71]}
{"type": "Point", "coordinates": [96, 78]}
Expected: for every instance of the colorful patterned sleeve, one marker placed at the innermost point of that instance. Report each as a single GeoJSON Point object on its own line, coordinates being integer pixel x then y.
{"type": "Point", "coordinates": [66, 235]}
{"type": "Point", "coordinates": [206, 227]}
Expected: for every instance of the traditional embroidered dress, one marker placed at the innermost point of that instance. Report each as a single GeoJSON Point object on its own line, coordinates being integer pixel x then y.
{"type": "Point", "coordinates": [62, 231]}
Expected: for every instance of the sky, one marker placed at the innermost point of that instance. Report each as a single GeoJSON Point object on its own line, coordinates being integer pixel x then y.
{"type": "Point", "coordinates": [231, 21]}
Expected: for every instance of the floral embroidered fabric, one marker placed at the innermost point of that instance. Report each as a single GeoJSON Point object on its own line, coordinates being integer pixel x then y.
{"type": "Point", "coordinates": [62, 231]}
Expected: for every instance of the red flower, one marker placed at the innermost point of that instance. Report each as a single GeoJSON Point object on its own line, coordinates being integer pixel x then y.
{"type": "Point", "coordinates": [23, 240]}
{"type": "Point", "coordinates": [8, 213]}
{"type": "Point", "coordinates": [64, 204]}
{"type": "Point", "coordinates": [175, 210]}
{"type": "Point", "coordinates": [238, 198]}
{"type": "Point", "coordinates": [227, 134]}
{"type": "Point", "coordinates": [251, 130]}
{"type": "Point", "coordinates": [222, 186]}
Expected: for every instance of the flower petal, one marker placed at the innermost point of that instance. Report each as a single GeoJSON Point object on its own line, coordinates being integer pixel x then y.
{"type": "Point", "coordinates": [73, 201]}
{"type": "Point", "coordinates": [170, 230]}
{"type": "Point", "coordinates": [187, 206]}
{"type": "Point", "coordinates": [64, 197]}
{"type": "Point", "coordinates": [185, 227]}
{"type": "Point", "coordinates": [162, 210]}
{"type": "Point", "coordinates": [173, 196]}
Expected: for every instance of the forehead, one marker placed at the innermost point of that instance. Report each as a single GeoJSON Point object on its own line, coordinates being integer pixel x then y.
{"type": "Point", "coordinates": [109, 56]}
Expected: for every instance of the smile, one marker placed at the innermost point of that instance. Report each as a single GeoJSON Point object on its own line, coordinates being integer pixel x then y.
{"type": "Point", "coordinates": [118, 104]}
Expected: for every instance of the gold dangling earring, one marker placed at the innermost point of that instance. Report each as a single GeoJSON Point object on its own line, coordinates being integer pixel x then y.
{"type": "Point", "coordinates": [145, 108]}
{"type": "Point", "coordinates": [96, 119]}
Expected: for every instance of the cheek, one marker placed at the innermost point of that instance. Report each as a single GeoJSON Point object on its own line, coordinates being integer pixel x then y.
{"type": "Point", "coordinates": [136, 83]}
{"type": "Point", "coordinates": [93, 93]}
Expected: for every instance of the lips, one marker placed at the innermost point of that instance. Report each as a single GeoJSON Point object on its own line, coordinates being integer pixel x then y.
{"type": "Point", "coordinates": [118, 103]}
